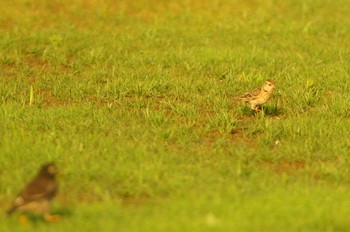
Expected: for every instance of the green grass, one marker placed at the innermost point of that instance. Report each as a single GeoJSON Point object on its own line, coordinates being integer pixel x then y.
{"type": "Point", "coordinates": [134, 102]}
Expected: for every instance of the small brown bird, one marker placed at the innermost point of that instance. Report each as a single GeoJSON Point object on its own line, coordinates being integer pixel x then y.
{"type": "Point", "coordinates": [37, 196]}
{"type": "Point", "coordinates": [258, 96]}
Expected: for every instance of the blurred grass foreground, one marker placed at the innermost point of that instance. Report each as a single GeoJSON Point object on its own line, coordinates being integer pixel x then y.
{"type": "Point", "coordinates": [133, 100]}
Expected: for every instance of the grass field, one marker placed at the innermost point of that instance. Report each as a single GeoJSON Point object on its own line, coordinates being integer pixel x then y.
{"type": "Point", "coordinates": [133, 100]}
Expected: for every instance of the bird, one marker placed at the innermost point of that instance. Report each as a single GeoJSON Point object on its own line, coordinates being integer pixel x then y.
{"type": "Point", "coordinates": [258, 96]}
{"type": "Point", "coordinates": [38, 194]}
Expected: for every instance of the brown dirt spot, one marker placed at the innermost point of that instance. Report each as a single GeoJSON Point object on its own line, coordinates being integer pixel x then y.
{"type": "Point", "coordinates": [283, 166]}
{"type": "Point", "coordinates": [234, 136]}
{"type": "Point", "coordinates": [48, 99]}
{"type": "Point", "coordinates": [237, 135]}
{"type": "Point", "coordinates": [134, 200]}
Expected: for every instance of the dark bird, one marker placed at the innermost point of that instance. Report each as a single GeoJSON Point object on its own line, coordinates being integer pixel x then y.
{"type": "Point", "coordinates": [37, 196]}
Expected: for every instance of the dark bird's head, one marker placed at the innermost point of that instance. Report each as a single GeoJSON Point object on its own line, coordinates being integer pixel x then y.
{"type": "Point", "coordinates": [48, 170]}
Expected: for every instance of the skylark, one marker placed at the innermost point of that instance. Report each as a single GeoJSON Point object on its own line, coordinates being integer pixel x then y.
{"type": "Point", "coordinates": [37, 196]}
{"type": "Point", "coordinates": [258, 96]}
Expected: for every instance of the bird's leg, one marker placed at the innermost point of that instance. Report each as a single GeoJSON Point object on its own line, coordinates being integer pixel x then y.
{"type": "Point", "coordinates": [255, 108]}
{"type": "Point", "coordinates": [51, 217]}
{"type": "Point", "coordinates": [23, 219]}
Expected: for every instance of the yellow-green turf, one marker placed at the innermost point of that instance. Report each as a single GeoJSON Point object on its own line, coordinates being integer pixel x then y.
{"type": "Point", "coordinates": [134, 101]}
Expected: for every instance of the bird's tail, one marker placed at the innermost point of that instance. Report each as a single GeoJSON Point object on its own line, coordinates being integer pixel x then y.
{"type": "Point", "coordinates": [240, 98]}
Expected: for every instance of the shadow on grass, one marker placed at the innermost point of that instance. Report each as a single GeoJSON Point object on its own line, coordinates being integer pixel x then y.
{"type": "Point", "coordinates": [269, 110]}
{"type": "Point", "coordinates": [38, 219]}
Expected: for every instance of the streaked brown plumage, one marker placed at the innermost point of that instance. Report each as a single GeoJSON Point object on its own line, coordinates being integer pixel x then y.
{"type": "Point", "coordinates": [258, 96]}
{"type": "Point", "coordinates": [36, 197]}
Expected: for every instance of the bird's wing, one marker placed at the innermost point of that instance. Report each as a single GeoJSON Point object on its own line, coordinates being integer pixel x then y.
{"type": "Point", "coordinates": [250, 95]}
{"type": "Point", "coordinates": [35, 190]}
